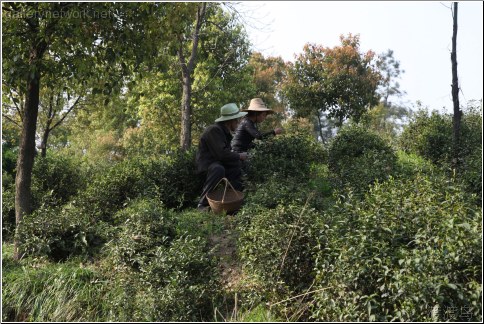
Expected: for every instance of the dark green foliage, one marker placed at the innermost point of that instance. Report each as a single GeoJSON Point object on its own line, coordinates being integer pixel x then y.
{"type": "Point", "coordinates": [430, 136]}
{"type": "Point", "coordinates": [8, 212]}
{"type": "Point", "coordinates": [175, 180]}
{"type": "Point", "coordinates": [283, 191]}
{"type": "Point", "coordinates": [410, 251]}
{"type": "Point", "coordinates": [55, 179]}
{"type": "Point", "coordinates": [171, 179]}
{"type": "Point", "coordinates": [182, 281]}
{"type": "Point", "coordinates": [62, 232]}
{"type": "Point", "coordinates": [284, 156]}
{"type": "Point", "coordinates": [276, 245]}
{"type": "Point", "coordinates": [173, 275]}
{"type": "Point", "coordinates": [143, 226]}
{"type": "Point", "coordinates": [110, 189]}
{"type": "Point", "coordinates": [9, 160]}
{"type": "Point", "coordinates": [357, 158]}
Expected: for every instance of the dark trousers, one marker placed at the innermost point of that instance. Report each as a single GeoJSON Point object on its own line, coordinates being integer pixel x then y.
{"type": "Point", "coordinates": [216, 171]}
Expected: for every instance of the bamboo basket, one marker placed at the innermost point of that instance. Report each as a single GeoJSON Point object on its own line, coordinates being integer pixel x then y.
{"type": "Point", "coordinates": [226, 200]}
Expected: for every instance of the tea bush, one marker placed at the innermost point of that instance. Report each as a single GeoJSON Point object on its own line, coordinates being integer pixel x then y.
{"type": "Point", "coordinates": [143, 225]}
{"type": "Point", "coordinates": [357, 158]}
{"type": "Point", "coordinates": [170, 179]}
{"type": "Point", "coordinates": [410, 251]}
{"type": "Point", "coordinates": [277, 245]}
{"type": "Point", "coordinates": [282, 191]}
{"type": "Point", "coordinates": [62, 232]}
{"type": "Point", "coordinates": [55, 179]}
{"type": "Point", "coordinates": [284, 156]}
{"type": "Point", "coordinates": [430, 136]}
{"type": "Point", "coordinates": [172, 274]}
{"type": "Point", "coordinates": [8, 212]}
{"type": "Point", "coordinates": [175, 179]}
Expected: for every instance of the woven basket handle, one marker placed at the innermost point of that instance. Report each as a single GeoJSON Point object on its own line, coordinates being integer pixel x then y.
{"type": "Point", "coordinates": [227, 182]}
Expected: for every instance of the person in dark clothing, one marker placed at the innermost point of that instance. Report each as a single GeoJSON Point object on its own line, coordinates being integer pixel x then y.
{"type": "Point", "coordinates": [215, 158]}
{"type": "Point", "coordinates": [247, 130]}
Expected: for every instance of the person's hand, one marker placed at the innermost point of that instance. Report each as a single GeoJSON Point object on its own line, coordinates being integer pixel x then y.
{"type": "Point", "coordinates": [278, 131]}
{"type": "Point", "coordinates": [243, 156]}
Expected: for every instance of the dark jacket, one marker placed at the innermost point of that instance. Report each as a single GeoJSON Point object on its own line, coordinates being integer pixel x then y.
{"type": "Point", "coordinates": [245, 134]}
{"type": "Point", "coordinates": [215, 146]}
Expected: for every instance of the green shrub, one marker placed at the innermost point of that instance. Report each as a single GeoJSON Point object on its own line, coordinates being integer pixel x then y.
{"type": "Point", "coordinates": [410, 165]}
{"type": "Point", "coordinates": [284, 156]}
{"type": "Point", "coordinates": [276, 245]}
{"type": "Point", "coordinates": [175, 179]}
{"type": "Point", "coordinates": [144, 225]}
{"type": "Point", "coordinates": [55, 179]}
{"type": "Point", "coordinates": [183, 280]}
{"type": "Point", "coordinates": [282, 191]}
{"type": "Point", "coordinates": [429, 136]}
{"type": "Point", "coordinates": [9, 160]}
{"type": "Point", "coordinates": [112, 188]}
{"type": "Point", "coordinates": [167, 276]}
{"type": "Point", "coordinates": [411, 251]}
{"type": "Point", "coordinates": [62, 232]}
{"type": "Point", "coordinates": [8, 213]}
{"type": "Point", "coordinates": [171, 179]}
{"type": "Point", "coordinates": [357, 158]}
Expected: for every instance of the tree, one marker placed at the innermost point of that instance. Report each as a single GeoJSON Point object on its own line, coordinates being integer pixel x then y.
{"type": "Point", "coordinates": [340, 80]}
{"type": "Point", "coordinates": [455, 91]}
{"type": "Point", "coordinates": [220, 74]}
{"type": "Point", "coordinates": [390, 70]}
{"type": "Point", "coordinates": [82, 40]}
{"type": "Point", "coordinates": [269, 74]}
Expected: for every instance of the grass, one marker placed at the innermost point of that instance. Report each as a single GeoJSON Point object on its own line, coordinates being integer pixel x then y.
{"type": "Point", "coordinates": [51, 291]}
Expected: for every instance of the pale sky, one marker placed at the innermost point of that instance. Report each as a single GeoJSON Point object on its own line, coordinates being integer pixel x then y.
{"type": "Point", "coordinates": [419, 33]}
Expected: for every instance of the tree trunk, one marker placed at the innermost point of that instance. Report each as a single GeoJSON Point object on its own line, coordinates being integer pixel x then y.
{"type": "Point", "coordinates": [43, 144]}
{"type": "Point", "coordinates": [26, 154]}
{"type": "Point", "coordinates": [186, 133]}
{"type": "Point", "coordinates": [25, 161]}
{"type": "Point", "coordinates": [455, 93]}
{"type": "Point", "coordinates": [187, 70]}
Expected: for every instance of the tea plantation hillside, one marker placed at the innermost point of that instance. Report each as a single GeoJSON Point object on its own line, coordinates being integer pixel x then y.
{"type": "Point", "coordinates": [356, 230]}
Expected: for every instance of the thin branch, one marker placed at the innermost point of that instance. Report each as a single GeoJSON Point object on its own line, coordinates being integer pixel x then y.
{"type": "Point", "coordinates": [11, 120]}
{"type": "Point", "coordinates": [65, 115]}
{"type": "Point", "coordinates": [301, 295]}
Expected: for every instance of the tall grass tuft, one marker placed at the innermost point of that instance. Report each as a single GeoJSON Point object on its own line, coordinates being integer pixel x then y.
{"type": "Point", "coordinates": [55, 292]}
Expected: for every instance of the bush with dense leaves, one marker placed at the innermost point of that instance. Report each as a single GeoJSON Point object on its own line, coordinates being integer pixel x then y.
{"type": "Point", "coordinates": [277, 245]}
{"type": "Point", "coordinates": [175, 180]}
{"type": "Point", "coordinates": [55, 179]}
{"type": "Point", "coordinates": [431, 136]}
{"type": "Point", "coordinates": [357, 158]}
{"type": "Point", "coordinates": [284, 156]}
{"type": "Point", "coordinates": [170, 179]}
{"type": "Point", "coordinates": [62, 232]}
{"type": "Point", "coordinates": [143, 226]}
{"type": "Point", "coordinates": [411, 251]}
{"type": "Point", "coordinates": [172, 274]}
{"type": "Point", "coordinates": [282, 191]}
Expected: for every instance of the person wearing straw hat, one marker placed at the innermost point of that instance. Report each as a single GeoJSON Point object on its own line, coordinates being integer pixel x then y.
{"type": "Point", "coordinates": [215, 158]}
{"type": "Point", "coordinates": [247, 130]}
